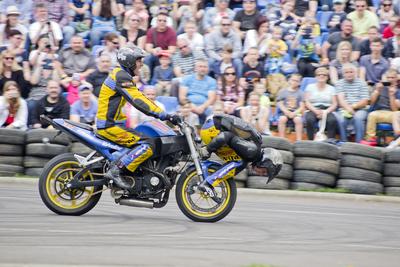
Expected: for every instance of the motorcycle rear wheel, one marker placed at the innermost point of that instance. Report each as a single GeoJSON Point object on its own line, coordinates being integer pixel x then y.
{"type": "Point", "coordinates": [54, 194]}
{"type": "Point", "coordinates": [192, 203]}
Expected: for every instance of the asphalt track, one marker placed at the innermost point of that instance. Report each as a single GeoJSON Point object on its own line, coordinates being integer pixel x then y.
{"type": "Point", "coordinates": [269, 230]}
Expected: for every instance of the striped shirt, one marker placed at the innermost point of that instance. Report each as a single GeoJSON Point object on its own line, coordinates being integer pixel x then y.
{"type": "Point", "coordinates": [186, 63]}
{"type": "Point", "coordinates": [353, 91]}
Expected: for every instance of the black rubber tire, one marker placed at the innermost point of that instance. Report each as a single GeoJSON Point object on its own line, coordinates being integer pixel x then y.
{"type": "Point", "coordinates": [391, 169]}
{"type": "Point", "coordinates": [35, 172]}
{"type": "Point", "coordinates": [393, 156]}
{"type": "Point", "coordinates": [11, 160]}
{"type": "Point", "coordinates": [80, 149]}
{"type": "Point", "coordinates": [35, 162]}
{"type": "Point", "coordinates": [241, 176]}
{"type": "Point", "coordinates": [305, 186]}
{"type": "Point", "coordinates": [360, 187]}
{"type": "Point", "coordinates": [91, 203]}
{"type": "Point", "coordinates": [361, 162]}
{"type": "Point", "coordinates": [315, 149]}
{"type": "Point", "coordinates": [12, 136]}
{"type": "Point", "coordinates": [319, 165]}
{"type": "Point", "coordinates": [11, 150]}
{"type": "Point", "coordinates": [192, 215]}
{"type": "Point", "coordinates": [39, 135]}
{"type": "Point", "coordinates": [260, 182]}
{"type": "Point", "coordinates": [361, 150]}
{"type": "Point", "coordinates": [360, 174]}
{"type": "Point", "coordinates": [324, 179]}
{"type": "Point", "coordinates": [286, 172]}
{"type": "Point", "coordinates": [392, 191]}
{"type": "Point", "coordinates": [6, 169]}
{"type": "Point", "coordinates": [45, 150]}
{"type": "Point", "coordinates": [277, 143]}
{"type": "Point", "coordinates": [287, 156]}
{"type": "Point", "coordinates": [391, 181]}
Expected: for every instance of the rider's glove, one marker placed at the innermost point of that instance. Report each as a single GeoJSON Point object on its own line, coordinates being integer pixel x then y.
{"type": "Point", "coordinates": [173, 118]}
{"type": "Point", "coordinates": [204, 153]}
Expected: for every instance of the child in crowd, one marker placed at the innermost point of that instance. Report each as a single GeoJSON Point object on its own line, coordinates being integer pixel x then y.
{"type": "Point", "coordinates": [71, 85]}
{"type": "Point", "coordinates": [337, 16]}
{"type": "Point", "coordinates": [218, 68]}
{"type": "Point", "coordinates": [188, 116]}
{"type": "Point", "coordinates": [163, 74]}
{"type": "Point", "coordinates": [255, 114]}
{"type": "Point", "coordinates": [276, 49]}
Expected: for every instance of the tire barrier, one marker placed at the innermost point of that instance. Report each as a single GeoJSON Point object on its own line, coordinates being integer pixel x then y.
{"type": "Point", "coordinates": [11, 152]}
{"type": "Point", "coordinates": [391, 173]}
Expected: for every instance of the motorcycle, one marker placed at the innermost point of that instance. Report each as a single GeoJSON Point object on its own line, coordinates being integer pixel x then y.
{"type": "Point", "coordinates": [72, 184]}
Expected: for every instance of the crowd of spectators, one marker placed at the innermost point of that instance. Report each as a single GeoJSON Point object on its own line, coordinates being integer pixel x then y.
{"type": "Point", "coordinates": [331, 60]}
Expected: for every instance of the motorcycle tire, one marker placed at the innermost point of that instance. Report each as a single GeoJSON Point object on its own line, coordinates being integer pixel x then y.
{"type": "Point", "coordinates": [63, 201]}
{"type": "Point", "coordinates": [226, 191]}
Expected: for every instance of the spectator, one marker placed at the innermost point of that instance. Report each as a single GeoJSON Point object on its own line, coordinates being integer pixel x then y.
{"type": "Point", "coordinates": [11, 71]}
{"type": "Point", "coordinates": [184, 11]}
{"type": "Point", "coordinates": [362, 19]}
{"type": "Point", "coordinates": [11, 25]}
{"type": "Point", "coordinates": [52, 105]}
{"type": "Point", "coordinates": [302, 6]}
{"type": "Point", "coordinates": [329, 47]}
{"type": "Point", "coordinates": [285, 18]}
{"type": "Point", "coordinates": [103, 12]}
{"type": "Point", "coordinates": [213, 16]}
{"type": "Point", "coordinates": [343, 56]}
{"type": "Point", "coordinates": [385, 13]}
{"type": "Point", "coordinates": [320, 97]}
{"type": "Point", "coordinates": [75, 59]}
{"type": "Point", "coordinates": [79, 9]}
{"type": "Point", "coordinates": [110, 48]}
{"type": "Point", "coordinates": [163, 74]}
{"type": "Point", "coordinates": [385, 101]}
{"type": "Point", "coordinates": [229, 91]}
{"type": "Point", "coordinates": [140, 8]}
{"type": "Point", "coordinates": [188, 116]}
{"type": "Point", "coordinates": [391, 48]}
{"type": "Point", "coordinates": [200, 89]}
{"type": "Point", "coordinates": [217, 69]}
{"type": "Point", "coordinates": [246, 19]}
{"type": "Point", "coordinates": [275, 51]}
{"type": "Point", "coordinates": [162, 8]}
{"type": "Point", "coordinates": [85, 109]}
{"type": "Point", "coordinates": [194, 38]}
{"type": "Point", "coordinates": [16, 46]}
{"type": "Point", "coordinates": [184, 58]}
{"type": "Point", "coordinates": [23, 6]}
{"type": "Point", "coordinates": [373, 66]}
{"type": "Point", "coordinates": [388, 30]}
{"type": "Point", "coordinates": [258, 36]}
{"type": "Point", "coordinates": [291, 107]}
{"type": "Point", "coordinates": [373, 33]}
{"type": "Point", "coordinates": [97, 77]}
{"type": "Point", "coordinates": [71, 85]}
{"type": "Point", "coordinates": [256, 114]}
{"type": "Point", "coordinates": [337, 16]}
{"type": "Point", "coordinates": [133, 34]}
{"type": "Point", "coordinates": [253, 71]}
{"type": "Point", "coordinates": [13, 108]}
{"type": "Point", "coordinates": [218, 38]}
{"type": "Point", "coordinates": [353, 98]}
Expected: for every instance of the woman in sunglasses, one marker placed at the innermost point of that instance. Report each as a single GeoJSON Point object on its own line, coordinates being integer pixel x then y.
{"type": "Point", "coordinates": [229, 91]}
{"type": "Point", "coordinates": [11, 71]}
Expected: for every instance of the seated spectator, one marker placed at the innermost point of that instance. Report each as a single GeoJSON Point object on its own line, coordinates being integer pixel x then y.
{"type": "Point", "coordinates": [11, 23]}
{"type": "Point", "coordinates": [385, 12]}
{"type": "Point", "coordinates": [373, 33]}
{"type": "Point", "coordinates": [258, 36]}
{"type": "Point", "coordinates": [162, 8]}
{"type": "Point", "coordinates": [24, 8]}
{"type": "Point", "coordinates": [11, 71]}
{"type": "Point", "coordinates": [200, 89]}
{"type": "Point", "coordinates": [139, 8]}
{"type": "Point", "coordinates": [103, 20]}
{"type": "Point", "coordinates": [184, 11]}
{"type": "Point", "coordinates": [163, 74]}
{"type": "Point", "coordinates": [275, 51]}
{"type": "Point", "coordinates": [52, 105]}
{"type": "Point", "coordinates": [362, 19]}
{"type": "Point", "coordinates": [218, 67]}
{"type": "Point", "coordinates": [183, 60]}
{"type": "Point", "coordinates": [111, 46]}
{"type": "Point", "coordinates": [385, 101]}
{"type": "Point", "coordinates": [286, 19]}
{"type": "Point", "coordinates": [343, 56]}
{"type": "Point", "coordinates": [374, 65]}
{"type": "Point", "coordinates": [353, 98]}
{"type": "Point", "coordinates": [320, 97]}
{"type": "Point", "coordinates": [85, 109]}
{"type": "Point", "coordinates": [133, 34]}
{"type": "Point", "coordinates": [291, 107]}
{"type": "Point", "coordinates": [388, 30]}
{"type": "Point", "coordinates": [213, 16]}
{"type": "Point", "coordinates": [391, 48]}
{"type": "Point", "coordinates": [229, 91]}
{"type": "Point", "coordinates": [188, 116]}
{"type": "Point", "coordinates": [79, 9]}
{"type": "Point", "coordinates": [71, 85]}
{"type": "Point", "coordinates": [97, 77]}
{"type": "Point", "coordinates": [193, 37]}
{"type": "Point", "coordinates": [253, 71]}
{"type": "Point", "coordinates": [13, 108]}
{"type": "Point", "coordinates": [16, 46]}
{"type": "Point", "coordinates": [301, 7]}
{"type": "Point", "coordinates": [246, 18]}
{"type": "Point", "coordinates": [75, 59]}
{"type": "Point", "coordinates": [42, 51]}
{"type": "Point", "coordinates": [337, 16]}
{"type": "Point", "coordinates": [255, 114]}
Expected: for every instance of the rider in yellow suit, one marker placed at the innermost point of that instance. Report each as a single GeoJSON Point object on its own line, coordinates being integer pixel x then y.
{"type": "Point", "coordinates": [116, 90]}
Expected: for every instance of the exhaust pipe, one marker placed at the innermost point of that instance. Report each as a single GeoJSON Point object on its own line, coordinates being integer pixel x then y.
{"type": "Point", "coordinates": [137, 203]}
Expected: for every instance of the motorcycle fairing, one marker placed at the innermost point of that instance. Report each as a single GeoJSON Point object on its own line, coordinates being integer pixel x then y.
{"type": "Point", "coordinates": [224, 172]}
{"type": "Point", "coordinates": [154, 128]}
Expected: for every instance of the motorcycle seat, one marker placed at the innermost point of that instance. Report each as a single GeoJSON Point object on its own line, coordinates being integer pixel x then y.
{"type": "Point", "coordinates": [81, 125]}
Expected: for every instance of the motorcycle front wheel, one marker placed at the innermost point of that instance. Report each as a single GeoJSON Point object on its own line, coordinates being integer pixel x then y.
{"type": "Point", "coordinates": [200, 207]}
{"type": "Point", "coordinates": [60, 199]}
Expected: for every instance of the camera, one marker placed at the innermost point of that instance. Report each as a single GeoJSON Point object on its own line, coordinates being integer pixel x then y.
{"type": "Point", "coordinates": [386, 83]}
{"type": "Point", "coordinates": [48, 46]}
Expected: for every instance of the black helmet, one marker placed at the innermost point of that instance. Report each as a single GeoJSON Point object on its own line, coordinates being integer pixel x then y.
{"type": "Point", "coordinates": [271, 160]}
{"type": "Point", "coordinates": [127, 57]}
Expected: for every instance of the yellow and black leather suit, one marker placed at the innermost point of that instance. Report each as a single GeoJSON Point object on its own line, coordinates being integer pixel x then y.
{"type": "Point", "coordinates": [116, 90]}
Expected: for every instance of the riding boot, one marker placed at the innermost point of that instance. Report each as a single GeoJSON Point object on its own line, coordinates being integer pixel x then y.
{"type": "Point", "coordinates": [114, 174]}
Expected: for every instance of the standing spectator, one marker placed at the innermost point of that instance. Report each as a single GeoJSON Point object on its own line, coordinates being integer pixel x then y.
{"type": "Point", "coordinates": [52, 105]}
{"type": "Point", "coordinates": [291, 107]}
{"type": "Point", "coordinates": [75, 59]}
{"type": "Point", "coordinates": [373, 33]}
{"type": "Point", "coordinates": [320, 97]}
{"type": "Point", "coordinates": [85, 109]}
{"type": "Point", "coordinates": [373, 66]}
{"type": "Point", "coordinates": [103, 12]}
{"type": "Point", "coordinates": [258, 36]}
{"type": "Point", "coordinates": [13, 108]}
{"type": "Point", "coordinates": [194, 38]}
{"type": "Point", "coordinates": [353, 98]}
{"type": "Point", "coordinates": [97, 77]}
{"type": "Point", "coordinates": [133, 34]}
{"type": "Point", "coordinates": [163, 74]}
{"type": "Point", "coordinates": [256, 114]}
{"type": "Point", "coordinates": [24, 7]}
{"type": "Point", "coordinates": [11, 24]}
{"type": "Point", "coordinates": [343, 56]}
{"type": "Point", "coordinates": [213, 16]}
{"type": "Point", "coordinates": [200, 89]}
{"type": "Point", "coordinates": [11, 71]}
{"type": "Point", "coordinates": [337, 16]}
{"type": "Point", "coordinates": [229, 91]}
{"type": "Point", "coordinates": [276, 49]}
{"type": "Point", "coordinates": [110, 48]}
{"type": "Point", "coordinates": [246, 18]}
{"type": "Point", "coordinates": [385, 101]}
{"type": "Point", "coordinates": [362, 19]}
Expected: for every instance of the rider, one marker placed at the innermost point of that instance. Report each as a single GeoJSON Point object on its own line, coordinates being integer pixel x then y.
{"type": "Point", "coordinates": [233, 139]}
{"type": "Point", "coordinates": [117, 89]}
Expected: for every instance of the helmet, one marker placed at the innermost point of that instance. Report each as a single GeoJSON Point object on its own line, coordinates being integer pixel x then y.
{"type": "Point", "coordinates": [271, 160]}
{"type": "Point", "coordinates": [127, 57]}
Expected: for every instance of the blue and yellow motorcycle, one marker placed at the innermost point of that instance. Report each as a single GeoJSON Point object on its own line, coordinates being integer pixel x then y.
{"type": "Point", "coordinates": [72, 184]}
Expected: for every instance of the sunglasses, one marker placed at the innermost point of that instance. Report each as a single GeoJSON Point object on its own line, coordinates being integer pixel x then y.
{"type": "Point", "coordinates": [137, 20]}
{"type": "Point", "coordinates": [116, 43]}
{"type": "Point", "coordinates": [183, 46]}
{"type": "Point", "coordinates": [226, 24]}
{"type": "Point", "coordinates": [229, 73]}
{"type": "Point", "coordinates": [9, 58]}
{"type": "Point", "coordinates": [387, 4]}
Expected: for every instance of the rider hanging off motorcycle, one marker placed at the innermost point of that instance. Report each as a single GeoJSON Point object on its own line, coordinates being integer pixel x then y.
{"type": "Point", "coordinates": [117, 89]}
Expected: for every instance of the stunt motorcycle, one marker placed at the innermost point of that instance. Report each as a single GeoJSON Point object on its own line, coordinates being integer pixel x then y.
{"type": "Point", "coordinates": [72, 184]}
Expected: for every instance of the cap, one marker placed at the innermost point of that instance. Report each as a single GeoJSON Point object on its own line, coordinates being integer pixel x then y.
{"type": "Point", "coordinates": [76, 77]}
{"type": "Point", "coordinates": [164, 53]}
{"type": "Point", "coordinates": [85, 86]}
{"type": "Point", "coordinates": [12, 10]}
{"type": "Point", "coordinates": [338, 1]}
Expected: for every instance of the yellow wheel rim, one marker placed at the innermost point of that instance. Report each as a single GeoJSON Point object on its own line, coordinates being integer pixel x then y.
{"type": "Point", "coordinates": [196, 204]}
{"type": "Point", "coordinates": [56, 181]}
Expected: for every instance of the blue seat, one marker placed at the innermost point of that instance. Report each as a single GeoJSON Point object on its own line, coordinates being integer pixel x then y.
{"type": "Point", "coordinates": [306, 81]}
{"type": "Point", "coordinates": [64, 94]}
{"type": "Point", "coordinates": [376, 4]}
{"type": "Point", "coordinates": [323, 19]}
{"type": "Point", "coordinates": [383, 130]}
{"type": "Point", "coordinates": [324, 36]}
{"type": "Point", "coordinates": [170, 103]}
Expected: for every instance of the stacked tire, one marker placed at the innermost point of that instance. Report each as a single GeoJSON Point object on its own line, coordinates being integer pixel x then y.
{"type": "Point", "coordinates": [360, 169]}
{"type": "Point", "coordinates": [316, 165]}
{"type": "Point", "coordinates": [282, 180]}
{"type": "Point", "coordinates": [41, 146]}
{"type": "Point", "coordinates": [80, 149]}
{"type": "Point", "coordinates": [391, 172]}
{"type": "Point", "coordinates": [11, 152]}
